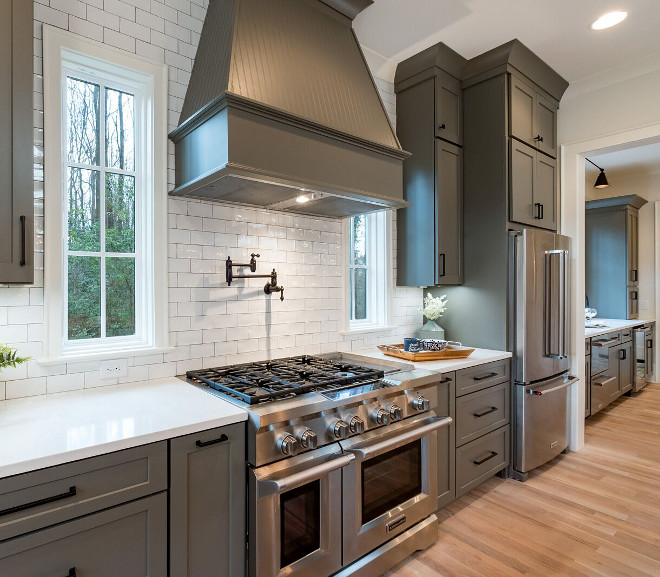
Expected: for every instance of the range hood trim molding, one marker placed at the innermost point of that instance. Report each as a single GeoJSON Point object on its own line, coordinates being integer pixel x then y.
{"type": "Point", "coordinates": [240, 102]}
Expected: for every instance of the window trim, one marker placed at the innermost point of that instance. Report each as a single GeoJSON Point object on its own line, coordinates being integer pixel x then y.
{"type": "Point", "coordinates": [379, 277]}
{"type": "Point", "coordinates": [64, 52]}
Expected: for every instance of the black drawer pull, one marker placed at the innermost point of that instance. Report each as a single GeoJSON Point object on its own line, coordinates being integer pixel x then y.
{"type": "Point", "coordinates": [71, 573]}
{"type": "Point", "coordinates": [488, 458]}
{"type": "Point", "coordinates": [70, 493]}
{"type": "Point", "coordinates": [622, 354]}
{"type": "Point", "coordinates": [221, 439]}
{"type": "Point", "coordinates": [485, 412]}
{"type": "Point", "coordinates": [22, 263]}
{"type": "Point", "coordinates": [484, 377]}
{"type": "Point", "coordinates": [649, 344]}
{"type": "Point", "coordinates": [447, 380]}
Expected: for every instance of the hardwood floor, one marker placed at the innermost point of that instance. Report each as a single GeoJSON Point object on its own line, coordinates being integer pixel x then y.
{"type": "Point", "coordinates": [595, 512]}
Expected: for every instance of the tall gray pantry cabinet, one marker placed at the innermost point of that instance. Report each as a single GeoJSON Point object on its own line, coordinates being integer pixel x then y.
{"type": "Point", "coordinates": [430, 126]}
{"type": "Point", "coordinates": [16, 141]}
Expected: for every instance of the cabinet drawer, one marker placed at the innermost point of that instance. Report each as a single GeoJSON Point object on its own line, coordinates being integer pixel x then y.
{"type": "Point", "coordinates": [34, 500]}
{"type": "Point", "coordinates": [481, 377]}
{"type": "Point", "coordinates": [626, 335]}
{"type": "Point", "coordinates": [480, 459]}
{"type": "Point", "coordinates": [604, 389]}
{"type": "Point", "coordinates": [607, 340]}
{"type": "Point", "coordinates": [481, 412]}
{"type": "Point", "coordinates": [127, 540]}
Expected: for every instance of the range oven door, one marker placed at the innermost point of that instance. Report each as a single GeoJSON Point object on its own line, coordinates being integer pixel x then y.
{"type": "Point", "coordinates": [295, 515]}
{"type": "Point", "coordinates": [391, 484]}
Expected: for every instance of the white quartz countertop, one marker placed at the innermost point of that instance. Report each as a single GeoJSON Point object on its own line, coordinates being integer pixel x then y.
{"type": "Point", "coordinates": [38, 432]}
{"type": "Point", "coordinates": [613, 325]}
{"type": "Point", "coordinates": [478, 357]}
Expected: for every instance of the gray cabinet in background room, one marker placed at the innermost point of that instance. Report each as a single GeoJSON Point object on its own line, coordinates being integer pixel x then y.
{"type": "Point", "coordinates": [16, 140]}
{"type": "Point", "coordinates": [611, 255]}
{"type": "Point", "coordinates": [430, 126]}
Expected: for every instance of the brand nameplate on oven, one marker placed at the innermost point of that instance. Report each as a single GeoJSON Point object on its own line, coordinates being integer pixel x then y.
{"type": "Point", "coordinates": [396, 523]}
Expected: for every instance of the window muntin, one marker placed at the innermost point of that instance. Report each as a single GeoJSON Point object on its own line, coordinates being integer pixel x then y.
{"type": "Point", "coordinates": [100, 190]}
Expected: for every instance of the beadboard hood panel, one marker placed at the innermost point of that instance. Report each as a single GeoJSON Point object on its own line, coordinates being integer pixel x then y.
{"type": "Point", "coordinates": [280, 104]}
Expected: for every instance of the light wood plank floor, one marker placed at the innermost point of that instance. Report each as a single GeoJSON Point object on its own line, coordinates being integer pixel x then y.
{"type": "Point", "coordinates": [595, 512]}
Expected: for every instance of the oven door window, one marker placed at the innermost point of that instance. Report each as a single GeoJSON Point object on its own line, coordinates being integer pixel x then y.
{"type": "Point", "coordinates": [300, 522]}
{"type": "Point", "coordinates": [391, 479]}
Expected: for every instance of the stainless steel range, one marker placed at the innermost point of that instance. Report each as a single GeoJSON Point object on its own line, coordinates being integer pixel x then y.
{"type": "Point", "coordinates": [342, 461]}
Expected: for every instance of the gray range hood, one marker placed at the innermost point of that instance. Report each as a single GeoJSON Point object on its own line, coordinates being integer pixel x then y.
{"type": "Point", "coordinates": [281, 104]}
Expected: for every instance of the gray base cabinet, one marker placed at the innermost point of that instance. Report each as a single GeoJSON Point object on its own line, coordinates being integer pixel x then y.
{"type": "Point", "coordinates": [129, 540]}
{"type": "Point", "coordinates": [16, 154]}
{"type": "Point", "coordinates": [446, 441]}
{"type": "Point", "coordinates": [207, 503]}
{"type": "Point", "coordinates": [614, 363]}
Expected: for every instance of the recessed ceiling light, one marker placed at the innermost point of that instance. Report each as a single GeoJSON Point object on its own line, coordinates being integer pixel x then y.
{"type": "Point", "coordinates": [608, 20]}
{"type": "Point", "coordinates": [302, 198]}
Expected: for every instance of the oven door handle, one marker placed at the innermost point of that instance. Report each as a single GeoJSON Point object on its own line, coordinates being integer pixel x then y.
{"type": "Point", "coordinates": [273, 486]}
{"type": "Point", "coordinates": [430, 425]}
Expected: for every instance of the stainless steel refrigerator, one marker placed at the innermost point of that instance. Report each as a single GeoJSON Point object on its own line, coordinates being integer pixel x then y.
{"type": "Point", "coordinates": [540, 325]}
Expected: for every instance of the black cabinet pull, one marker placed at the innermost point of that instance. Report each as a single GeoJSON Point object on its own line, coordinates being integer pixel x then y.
{"type": "Point", "coordinates": [485, 412]}
{"type": "Point", "coordinates": [442, 264]}
{"type": "Point", "coordinates": [221, 439]}
{"type": "Point", "coordinates": [488, 458]}
{"type": "Point", "coordinates": [633, 295]}
{"type": "Point", "coordinates": [442, 126]}
{"type": "Point", "coordinates": [445, 380]}
{"type": "Point", "coordinates": [538, 138]}
{"type": "Point", "coordinates": [649, 344]}
{"type": "Point", "coordinates": [537, 206]}
{"type": "Point", "coordinates": [634, 274]}
{"type": "Point", "coordinates": [622, 354]}
{"type": "Point", "coordinates": [22, 263]}
{"type": "Point", "coordinates": [542, 212]}
{"type": "Point", "coordinates": [71, 573]}
{"type": "Point", "coordinates": [484, 377]}
{"type": "Point", "coordinates": [70, 493]}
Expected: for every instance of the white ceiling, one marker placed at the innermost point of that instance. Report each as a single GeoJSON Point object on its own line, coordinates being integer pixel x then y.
{"type": "Point", "coordinates": [634, 162]}
{"type": "Point", "coordinates": [557, 30]}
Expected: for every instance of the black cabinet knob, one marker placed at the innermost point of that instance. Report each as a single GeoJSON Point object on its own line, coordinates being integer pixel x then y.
{"type": "Point", "coordinates": [538, 138]}
{"type": "Point", "coordinates": [442, 126]}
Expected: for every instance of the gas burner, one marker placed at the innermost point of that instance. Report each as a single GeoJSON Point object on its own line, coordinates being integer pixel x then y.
{"type": "Point", "coordinates": [279, 379]}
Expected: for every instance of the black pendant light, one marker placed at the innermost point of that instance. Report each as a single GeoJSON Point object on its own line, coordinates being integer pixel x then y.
{"type": "Point", "coordinates": [601, 180]}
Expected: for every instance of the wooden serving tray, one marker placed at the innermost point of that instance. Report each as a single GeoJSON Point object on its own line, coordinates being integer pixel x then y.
{"type": "Point", "coordinates": [449, 352]}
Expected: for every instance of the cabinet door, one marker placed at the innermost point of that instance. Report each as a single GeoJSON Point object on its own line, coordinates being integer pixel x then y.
{"type": "Point", "coordinates": [446, 441]}
{"type": "Point", "coordinates": [448, 108]}
{"type": "Point", "coordinates": [587, 387]}
{"type": "Point", "coordinates": [521, 178]}
{"type": "Point", "coordinates": [16, 179]}
{"type": "Point", "coordinates": [522, 111]}
{"type": "Point", "coordinates": [633, 302]}
{"type": "Point", "coordinates": [545, 187]}
{"type": "Point", "coordinates": [129, 540]}
{"type": "Point", "coordinates": [546, 126]}
{"type": "Point", "coordinates": [614, 359]}
{"type": "Point", "coordinates": [449, 213]}
{"type": "Point", "coordinates": [207, 503]}
{"type": "Point", "coordinates": [626, 366]}
{"type": "Point", "coordinates": [632, 241]}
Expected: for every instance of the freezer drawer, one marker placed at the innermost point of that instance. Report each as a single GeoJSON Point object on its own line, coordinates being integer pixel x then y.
{"type": "Point", "coordinates": [541, 422]}
{"type": "Point", "coordinates": [604, 389]}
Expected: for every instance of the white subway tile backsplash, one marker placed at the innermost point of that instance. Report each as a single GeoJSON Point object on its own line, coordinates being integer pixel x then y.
{"type": "Point", "coordinates": [61, 383]}
{"type": "Point", "coordinates": [25, 388]}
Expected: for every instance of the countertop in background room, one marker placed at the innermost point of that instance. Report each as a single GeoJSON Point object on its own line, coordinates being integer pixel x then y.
{"type": "Point", "coordinates": [613, 325]}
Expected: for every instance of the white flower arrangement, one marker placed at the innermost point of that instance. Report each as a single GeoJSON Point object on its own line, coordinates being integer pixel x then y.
{"type": "Point", "coordinates": [434, 307]}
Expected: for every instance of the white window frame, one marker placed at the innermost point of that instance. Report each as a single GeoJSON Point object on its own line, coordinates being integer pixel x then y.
{"type": "Point", "coordinates": [66, 54]}
{"type": "Point", "coordinates": [379, 274]}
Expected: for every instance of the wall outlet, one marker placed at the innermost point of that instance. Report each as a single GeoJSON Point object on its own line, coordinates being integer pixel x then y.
{"type": "Point", "coordinates": [643, 305]}
{"type": "Point", "coordinates": [114, 369]}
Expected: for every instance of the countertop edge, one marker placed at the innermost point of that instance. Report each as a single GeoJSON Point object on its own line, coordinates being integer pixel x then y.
{"type": "Point", "coordinates": [619, 324]}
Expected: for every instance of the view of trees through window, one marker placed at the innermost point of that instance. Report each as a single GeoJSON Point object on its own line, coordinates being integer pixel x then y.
{"type": "Point", "coordinates": [100, 182]}
{"type": "Point", "coordinates": [358, 267]}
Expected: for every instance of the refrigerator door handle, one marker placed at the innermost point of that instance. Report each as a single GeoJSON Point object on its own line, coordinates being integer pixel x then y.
{"type": "Point", "coordinates": [540, 392]}
{"type": "Point", "coordinates": [555, 305]}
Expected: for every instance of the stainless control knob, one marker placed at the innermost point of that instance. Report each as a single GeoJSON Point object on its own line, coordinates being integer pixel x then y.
{"type": "Point", "coordinates": [421, 403]}
{"type": "Point", "coordinates": [308, 439]}
{"type": "Point", "coordinates": [356, 425]}
{"type": "Point", "coordinates": [382, 417]}
{"type": "Point", "coordinates": [339, 429]}
{"type": "Point", "coordinates": [288, 445]}
{"type": "Point", "coordinates": [396, 412]}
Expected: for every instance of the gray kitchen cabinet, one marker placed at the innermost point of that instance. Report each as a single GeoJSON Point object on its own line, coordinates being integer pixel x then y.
{"type": "Point", "coordinates": [446, 393]}
{"type": "Point", "coordinates": [532, 117]}
{"type": "Point", "coordinates": [533, 187]}
{"type": "Point", "coordinates": [626, 364]}
{"type": "Point", "coordinates": [611, 255]}
{"type": "Point", "coordinates": [207, 503]}
{"type": "Point", "coordinates": [429, 125]}
{"type": "Point", "coordinates": [128, 540]}
{"type": "Point", "coordinates": [16, 172]}
{"type": "Point", "coordinates": [587, 377]}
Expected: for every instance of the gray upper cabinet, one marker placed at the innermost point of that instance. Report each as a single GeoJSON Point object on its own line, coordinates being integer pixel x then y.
{"type": "Point", "coordinates": [430, 126]}
{"type": "Point", "coordinates": [16, 186]}
{"type": "Point", "coordinates": [448, 108]}
{"type": "Point", "coordinates": [207, 503]}
{"type": "Point", "coordinates": [612, 255]}
{"type": "Point", "coordinates": [533, 185]}
{"type": "Point", "coordinates": [533, 117]}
